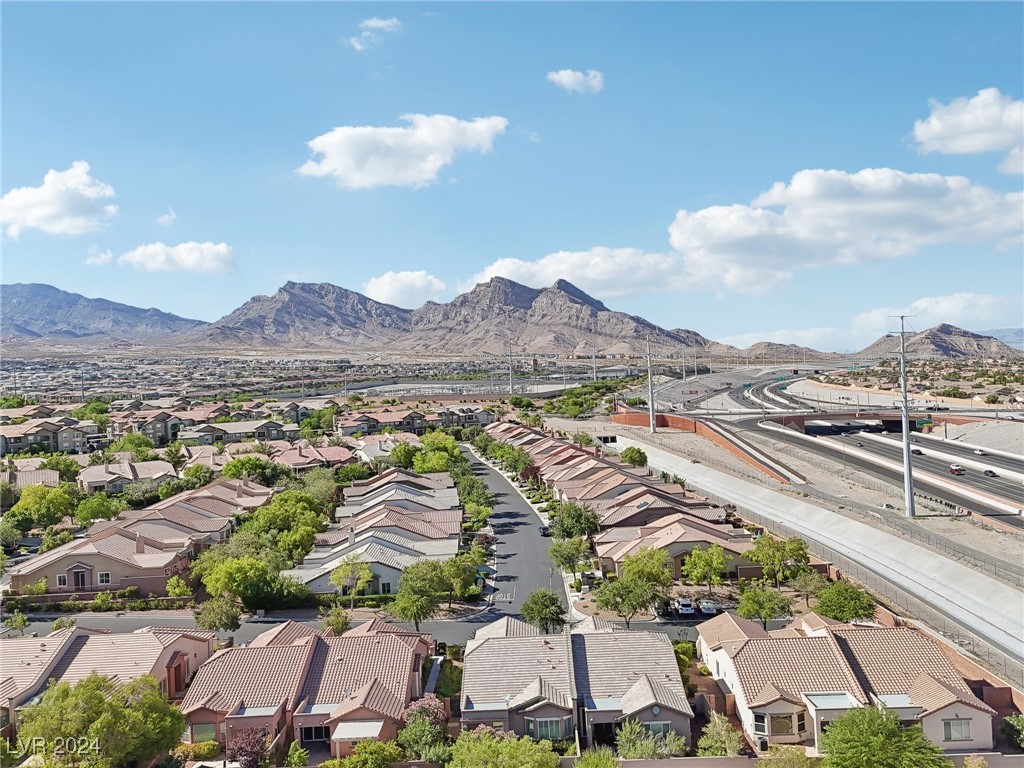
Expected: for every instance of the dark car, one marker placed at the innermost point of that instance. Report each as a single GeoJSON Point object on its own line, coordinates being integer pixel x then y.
{"type": "Point", "coordinates": [917, 451]}
{"type": "Point", "coordinates": [545, 530]}
{"type": "Point", "coordinates": [989, 473]}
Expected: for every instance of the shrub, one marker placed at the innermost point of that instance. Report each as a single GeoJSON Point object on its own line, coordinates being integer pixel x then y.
{"type": "Point", "coordinates": [104, 601]}
{"type": "Point", "coordinates": [703, 669]}
{"type": "Point", "coordinates": [129, 593]}
{"type": "Point", "coordinates": [472, 594]}
{"type": "Point", "coordinates": [454, 652]}
{"type": "Point", "coordinates": [577, 585]}
{"type": "Point", "coordinates": [1012, 730]}
{"type": "Point", "coordinates": [201, 750]}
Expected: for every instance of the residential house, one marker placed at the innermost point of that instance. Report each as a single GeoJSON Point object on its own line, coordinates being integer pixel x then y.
{"type": "Point", "coordinates": [315, 688]}
{"type": "Point", "coordinates": [24, 478]}
{"type": "Point", "coordinates": [28, 665]}
{"type": "Point", "coordinates": [41, 433]}
{"type": "Point", "coordinates": [789, 684]}
{"type": "Point", "coordinates": [109, 560]}
{"type": "Point", "coordinates": [113, 477]}
{"type": "Point", "coordinates": [583, 681]}
{"type": "Point", "coordinates": [302, 456]}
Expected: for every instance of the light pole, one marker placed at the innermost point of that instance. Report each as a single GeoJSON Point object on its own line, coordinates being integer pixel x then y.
{"type": "Point", "coordinates": [908, 472]}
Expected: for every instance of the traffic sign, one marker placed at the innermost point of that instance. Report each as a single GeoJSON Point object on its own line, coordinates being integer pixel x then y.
{"type": "Point", "coordinates": [924, 422]}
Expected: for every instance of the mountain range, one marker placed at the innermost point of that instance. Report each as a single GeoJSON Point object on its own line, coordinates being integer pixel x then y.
{"type": "Point", "coordinates": [560, 319]}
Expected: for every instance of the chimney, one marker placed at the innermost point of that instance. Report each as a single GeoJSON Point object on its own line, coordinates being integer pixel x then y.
{"type": "Point", "coordinates": [140, 545]}
{"type": "Point", "coordinates": [351, 536]}
{"type": "Point", "coordinates": [238, 491]}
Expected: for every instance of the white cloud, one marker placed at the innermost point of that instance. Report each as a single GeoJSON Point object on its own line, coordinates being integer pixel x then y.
{"type": "Point", "coordinates": [600, 271]}
{"type": "Point", "coordinates": [575, 81]}
{"type": "Point", "coordinates": [69, 202]}
{"type": "Point", "coordinates": [404, 289]}
{"type": "Point", "coordinates": [973, 311]}
{"type": "Point", "coordinates": [824, 218]}
{"type": "Point", "coordinates": [185, 257]}
{"type": "Point", "coordinates": [534, 137]}
{"type": "Point", "coordinates": [366, 156]}
{"type": "Point", "coordinates": [371, 32]}
{"type": "Point", "coordinates": [988, 122]}
{"type": "Point", "coordinates": [98, 258]}
{"type": "Point", "coordinates": [168, 218]}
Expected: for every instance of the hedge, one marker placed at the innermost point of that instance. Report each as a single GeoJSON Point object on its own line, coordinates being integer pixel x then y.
{"type": "Point", "coordinates": [201, 750]}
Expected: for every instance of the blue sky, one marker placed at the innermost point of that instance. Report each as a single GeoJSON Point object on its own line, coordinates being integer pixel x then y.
{"type": "Point", "coordinates": [795, 172]}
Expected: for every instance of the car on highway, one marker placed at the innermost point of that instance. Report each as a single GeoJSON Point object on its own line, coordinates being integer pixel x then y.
{"type": "Point", "coordinates": [979, 452]}
{"type": "Point", "coordinates": [708, 607]}
{"type": "Point", "coordinates": [917, 451]}
{"type": "Point", "coordinates": [956, 469]}
{"type": "Point", "coordinates": [989, 473]}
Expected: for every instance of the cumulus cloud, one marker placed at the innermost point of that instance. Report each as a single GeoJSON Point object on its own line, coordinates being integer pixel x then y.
{"type": "Point", "coordinates": [574, 81]}
{"type": "Point", "coordinates": [824, 218]}
{"type": "Point", "coordinates": [184, 257]}
{"type": "Point", "coordinates": [973, 311]}
{"type": "Point", "coordinates": [168, 218]}
{"type": "Point", "coordinates": [404, 289]}
{"type": "Point", "coordinates": [988, 122]}
{"type": "Point", "coordinates": [604, 272]}
{"type": "Point", "coordinates": [366, 156]}
{"type": "Point", "coordinates": [371, 32]}
{"type": "Point", "coordinates": [98, 258]}
{"type": "Point", "coordinates": [69, 202]}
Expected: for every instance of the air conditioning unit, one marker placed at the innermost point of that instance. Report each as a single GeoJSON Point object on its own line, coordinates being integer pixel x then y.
{"type": "Point", "coordinates": [762, 743]}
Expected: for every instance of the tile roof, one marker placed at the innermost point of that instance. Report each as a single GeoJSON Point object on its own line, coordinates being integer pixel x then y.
{"type": "Point", "coordinates": [488, 677]}
{"type": "Point", "coordinates": [728, 626]}
{"type": "Point", "coordinates": [932, 694]}
{"type": "Point", "coordinates": [285, 633]}
{"type": "Point", "coordinates": [24, 661]}
{"type": "Point", "coordinates": [120, 657]}
{"type": "Point", "coordinates": [647, 692]}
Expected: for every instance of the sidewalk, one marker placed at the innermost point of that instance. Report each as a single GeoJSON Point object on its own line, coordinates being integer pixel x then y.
{"type": "Point", "coordinates": [978, 602]}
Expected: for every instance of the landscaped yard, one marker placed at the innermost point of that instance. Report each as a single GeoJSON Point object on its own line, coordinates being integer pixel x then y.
{"type": "Point", "coordinates": [449, 683]}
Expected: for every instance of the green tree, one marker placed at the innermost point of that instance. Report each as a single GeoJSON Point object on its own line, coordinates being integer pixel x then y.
{"type": "Point", "coordinates": [218, 615]}
{"type": "Point", "coordinates": [9, 533]}
{"type": "Point", "coordinates": [65, 466]}
{"type": "Point", "coordinates": [583, 440]}
{"type": "Point", "coordinates": [626, 597]}
{"type": "Point", "coordinates": [634, 456]}
{"type": "Point", "coordinates": [705, 566]}
{"type": "Point", "coordinates": [8, 495]}
{"type": "Point", "coordinates": [808, 584]}
{"type": "Point", "coordinates": [98, 506]}
{"type": "Point", "coordinates": [419, 593]}
{"type": "Point", "coordinates": [352, 576]}
{"type": "Point", "coordinates": [336, 619]}
{"type": "Point", "coordinates": [246, 579]}
{"type": "Point", "coordinates": [297, 757]}
{"type": "Point", "coordinates": [1012, 729]}
{"type": "Point", "coordinates": [544, 609]}
{"type": "Point", "coordinates": [371, 753]}
{"type": "Point", "coordinates": [321, 484]}
{"type": "Point", "coordinates": [459, 574]}
{"type": "Point", "coordinates": [432, 461]}
{"type": "Point", "coordinates": [874, 737]}
{"type": "Point", "coordinates": [42, 507]}
{"type": "Point", "coordinates": [651, 565]}
{"type": "Point", "coordinates": [36, 588]}
{"type": "Point", "coordinates": [63, 622]}
{"type": "Point", "coordinates": [350, 472]}
{"type": "Point", "coordinates": [133, 722]}
{"type": "Point", "coordinates": [719, 738]}
{"type": "Point", "coordinates": [53, 539]}
{"type": "Point", "coordinates": [176, 587]}
{"type": "Point", "coordinates": [200, 474]}
{"type": "Point", "coordinates": [567, 554]}
{"type": "Point", "coordinates": [259, 470]}
{"type": "Point", "coordinates": [403, 454]}
{"type": "Point", "coordinates": [844, 601]}
{"type": "Point", "coordinates": [420, 737]}
{"type": "Point", "coordinates": [132, 442]}
{"type": "Point", "coordinates": [763, 603]}
{"type": "Point", "coordinates": [779, 559]}
{"type": "Point", "coordinates": [574, 521]}
{"type": "Point", "coordinates": [174, 455]}
{"type": "Point", "coordinates": [17, 621]}
{"type": "Point", "coordinates": [486, 748]}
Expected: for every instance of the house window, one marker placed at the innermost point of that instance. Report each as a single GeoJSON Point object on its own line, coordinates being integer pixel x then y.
{"type": "Point", "coordinates": [760, 723]}
{"type": "Point", "coordinates": [782, 725]}
{"type": "Point", "coordinates": [385, 587]}
{"type": "Point", "coordinates": [801, 722]}
{"type": "Point", "coordinates": [956, 730]}
{"type": "Point", "coordinates": [549, 729]}
{"type": "Point", "coordinates": [316, 733]}
{"type": "Point", "coordinates": [62, 579]}
{"type": "Point", "coordinates": [658, 729]}
{"type": "Point", "coordinates": [204, 732]}
{"type": "Point", "coordinates": [104, 577]}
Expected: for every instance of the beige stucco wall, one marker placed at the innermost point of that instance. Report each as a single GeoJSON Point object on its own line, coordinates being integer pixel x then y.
{"type": "Point", "coordinates": [121, 575]}
{"type": "Point", "coordinates": [981, 728]}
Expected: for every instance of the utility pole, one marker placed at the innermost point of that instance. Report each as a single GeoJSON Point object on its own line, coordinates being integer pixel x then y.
{"type": "Point", "coordinates": [650, 387]}
{"type": "Point", "coordinates": [908, 472]}
{"type": "Point", "coordinates": [594, 360]}
{"type": "Point", "coordinates": [511, 391]}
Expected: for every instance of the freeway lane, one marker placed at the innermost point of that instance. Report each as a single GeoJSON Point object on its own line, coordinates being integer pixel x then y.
{"type": "Point", "coordinates": [997, 486]}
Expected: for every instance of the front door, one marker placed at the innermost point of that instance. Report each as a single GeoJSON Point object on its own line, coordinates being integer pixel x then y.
{"type": "Point", "coordinates": [79, 579]}
{"type": "Point", "coordinates": [603, 734]}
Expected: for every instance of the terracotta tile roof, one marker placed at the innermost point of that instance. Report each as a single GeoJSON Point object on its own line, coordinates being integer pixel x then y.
{"type": "Point", "coordinates": [23, 479]}
{"type": "Point", "coordinates": [488, 677]}
{"type": "Point", "coordinates": [506, 626]}
{"type": "Point", "coordinates": [253, 676]}
{"type": "Point", "coordinates": [24, 661]}
{"type": "Point", "coordinates": [727, 627]}
{"type": "Point", "coordinates": [648, 691]}
{"type": "Point", "coordinates": [286, 633]}
{"type": "Point", "coordinates": [933, 694]}
{"type": "Point", "coordinates": [120, 657]}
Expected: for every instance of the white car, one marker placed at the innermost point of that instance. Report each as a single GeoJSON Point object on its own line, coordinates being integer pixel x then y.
{"type": "Point", "coordinates": [979, 452]}
{"type": "Point", "coordinates": [684, 607]}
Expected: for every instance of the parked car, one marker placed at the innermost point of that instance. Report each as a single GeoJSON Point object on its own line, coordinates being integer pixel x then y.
{"type": "Point", "coordinates": [989, 473]}
{"type": "Point", "coordinates": [979, 452]}
{"type": "Point", "coordinates": [956, 469]}
{"type": "Point", "coordinates": [684, 607]}
{"type": "Point", "coordinates": [917, 451]}
{"type": "Point", "coordinates": [545, 530]}
{"type": "Point", "coordinates": [708, 607]}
